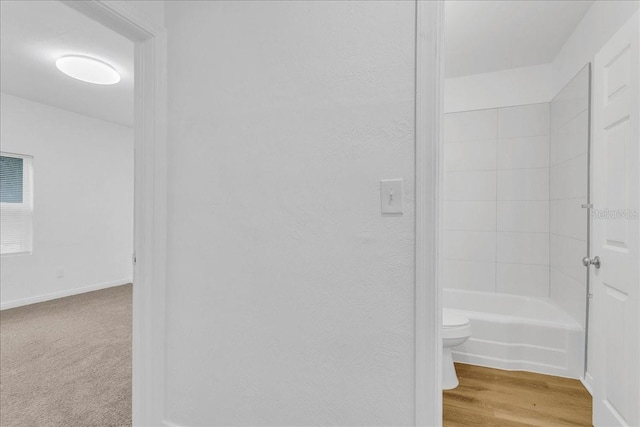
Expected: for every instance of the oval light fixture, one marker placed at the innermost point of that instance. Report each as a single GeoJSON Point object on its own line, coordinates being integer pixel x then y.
{"type": "Point", "coordinates": [88, 69]}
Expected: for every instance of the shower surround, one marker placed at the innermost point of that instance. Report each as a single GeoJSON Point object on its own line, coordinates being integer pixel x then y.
{"type": "Point", "coordinates": [515, 180]}
{"type": "Point", "coordinates": [496, 200]}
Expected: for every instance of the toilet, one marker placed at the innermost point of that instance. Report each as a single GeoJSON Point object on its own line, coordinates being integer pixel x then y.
{"type": "Point", "coordinates": [456, 329]}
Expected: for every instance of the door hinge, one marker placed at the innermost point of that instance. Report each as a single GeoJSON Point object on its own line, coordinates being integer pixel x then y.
{"type": "Point", "coordinates": [133, 258]}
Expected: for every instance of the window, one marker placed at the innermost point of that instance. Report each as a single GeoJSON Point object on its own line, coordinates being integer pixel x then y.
{"type": "Point", "coordinates": [16, 204]}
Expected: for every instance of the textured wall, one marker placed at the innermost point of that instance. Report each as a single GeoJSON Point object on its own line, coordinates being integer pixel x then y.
{"type": "Point", "coordinates": [290, 297]}
{"type": "Point", "coordinates": [152, 9]}
{"type": "Point", "coordinates": [83, 202]}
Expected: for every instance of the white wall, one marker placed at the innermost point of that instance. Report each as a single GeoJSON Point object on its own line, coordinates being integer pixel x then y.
{"type": "Point", "coordinates": [83, 202]}
{"type": "Point", "coordinates": [530, 85]}
{"type": "Point", "coordinates": [290, 298]}
{"type": "Point", "coordinates": [504, 88]}
{"type": "Point", "coordinates": [603, 19]}
{"type": "Point", "coordinates": [151, 9]}
{"type": "Point", "coordinates": [496, 201]}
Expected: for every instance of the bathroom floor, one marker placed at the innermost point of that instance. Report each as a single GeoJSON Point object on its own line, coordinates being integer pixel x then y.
{"type": "Point", "coordinates": [492, 397]}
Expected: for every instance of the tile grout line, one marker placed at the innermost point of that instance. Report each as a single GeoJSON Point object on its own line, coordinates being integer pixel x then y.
{"type": "Point", "coordinates": [492, 263]}
{"type": "Point", "coordinates": [495, 285]}
{"type": "Point", "coordinates": [549, 205]}
{"type": "Point", "coordinates": [496, 169]}
{"type": "Point", "coordinates": [566, 237]}
{"type": "Point", "coordinates": [570, 119]}
{"type": "Point", "coordinates": [566, 160]}
{"type": "Point", "coordinates": [503, 231]}
{"type": "Point", "coordinates": [473, 141]}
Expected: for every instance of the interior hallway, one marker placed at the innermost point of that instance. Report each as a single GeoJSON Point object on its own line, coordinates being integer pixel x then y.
{"type": "Point", "coordinates": [67, 362]}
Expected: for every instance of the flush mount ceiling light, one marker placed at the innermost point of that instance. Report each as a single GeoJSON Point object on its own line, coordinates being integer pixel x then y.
{"type": "Point", "coordinates": [88, 69]}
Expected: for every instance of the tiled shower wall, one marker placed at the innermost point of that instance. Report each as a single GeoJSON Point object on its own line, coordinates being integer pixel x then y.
{"type": "Point", "coordinates": [568, 220]}
{"type": "Point", "coordinates": [496, 200]}
{"type": "Point", "coordinates": [515, 180]}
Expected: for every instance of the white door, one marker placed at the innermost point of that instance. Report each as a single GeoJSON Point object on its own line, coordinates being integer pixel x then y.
{"type": "Point", "coordinates": [615, 229]}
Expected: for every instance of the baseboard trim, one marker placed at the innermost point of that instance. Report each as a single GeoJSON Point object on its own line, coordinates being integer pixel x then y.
{"type": "Point", "coordinates": [512, 365]}
{"type": "Point", "coordinates": [587, 382]}
{"type": "Point", "coordinates": [61, 294]}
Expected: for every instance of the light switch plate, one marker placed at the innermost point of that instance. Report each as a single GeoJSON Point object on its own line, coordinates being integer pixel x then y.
{"type": "Point", "coordinates": [391, 196]}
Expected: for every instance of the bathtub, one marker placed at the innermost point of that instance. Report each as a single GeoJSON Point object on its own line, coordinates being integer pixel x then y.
{"type": "Point", "coordinates": [518, 333]}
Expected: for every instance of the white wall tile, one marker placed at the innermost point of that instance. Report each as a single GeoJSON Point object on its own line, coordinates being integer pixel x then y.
{"type": "Point", "coordinates": [569, 179]}
{"type": "Point", "coordinates": [562, 113]}
{"type": "Point", "coordinates": [469, 275]}
{"type": "Point", "coordinates": [525, 152]}
{"type": "Point", "coordinates": [504, 155]}
{"type": "Point", "coordinates": [525, 120]}
{"type": "Point", "coordinates": [571, 101]}
{"type": "Point", "coordinates": [469, 245]}
{"type": "Point", "coordinates": [469, 156]}
{"type": "Point", "coordinates": [520, 279]}
{"type": "Point", "coordinates": [568, 218]}
{"type": "Point", "coordinates": [523, 184]}
{"type": "Point", "coordinates": [553, 146]}
{"type": "Point", "coordinates": [523, 216]}
{"type": "Point", "coordinates": [473, 216]}
{"type": "Point", "coordinates": [523, 248]}
{"type": "Point", "coordinates": [568, 110]}
{"type": "Point", "coordinates": [573, 138]}
{"type": "Point", "coordinates": [566, 256]}
{"type": "Point", "coordinates": [471, 125]}
{"type": "Point", "coordinates": [568, 190]}
{"type": "Point", "coordinates": [476, 185]}
{"type": "Point", "coordinates": [568, 294]}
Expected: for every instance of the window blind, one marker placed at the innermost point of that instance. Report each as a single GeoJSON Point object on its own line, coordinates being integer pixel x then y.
{"type": "Point", "coordinates": [16, 204]}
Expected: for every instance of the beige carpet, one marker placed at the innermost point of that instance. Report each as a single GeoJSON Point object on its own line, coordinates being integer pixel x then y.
{"type": "Point", "coordinates": [67, 362]}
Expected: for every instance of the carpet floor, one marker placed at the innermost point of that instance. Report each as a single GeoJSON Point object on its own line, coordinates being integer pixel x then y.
{"type": "Point", "coordinates": [67, 362]}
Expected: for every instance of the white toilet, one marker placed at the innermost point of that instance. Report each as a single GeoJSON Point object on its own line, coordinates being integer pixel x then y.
{"type": "Point", "coordinates": [456, 329]}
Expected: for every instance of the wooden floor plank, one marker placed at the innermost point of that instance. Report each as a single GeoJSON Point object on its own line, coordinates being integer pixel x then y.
{"type": "Point", "coordinates": [493, 397]}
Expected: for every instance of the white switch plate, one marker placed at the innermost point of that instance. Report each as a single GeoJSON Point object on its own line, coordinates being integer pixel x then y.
{"type": "Point", "coordinates": [391, 196]}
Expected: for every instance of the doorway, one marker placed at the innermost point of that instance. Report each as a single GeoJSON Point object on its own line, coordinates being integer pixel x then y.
{"type": "Point", "coordinates": [136, 23]}
{"type": "Point", "coordinates": [67, 217]}
{"type": "Point", "coordinates": [516, 200]}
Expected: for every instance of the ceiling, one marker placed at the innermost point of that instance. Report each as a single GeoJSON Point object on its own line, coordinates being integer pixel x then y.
{"type": "Point", "coordinates": [486, 36]}
{"type": "Point", "coordinates": [480, 37]}
{"type": "Point", "coordinates": [36, 33]}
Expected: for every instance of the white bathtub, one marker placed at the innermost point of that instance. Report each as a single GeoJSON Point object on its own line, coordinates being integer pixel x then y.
{"type": "Point", "coordinates": [518, 333]}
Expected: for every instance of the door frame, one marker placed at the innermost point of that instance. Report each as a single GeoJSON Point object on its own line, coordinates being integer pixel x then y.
{"type": "Point", "coordinates": [150, 198]}
{"type": "Point", "coordinates": [428, 300]}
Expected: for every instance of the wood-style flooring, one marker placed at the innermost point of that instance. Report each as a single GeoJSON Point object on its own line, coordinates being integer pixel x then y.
{"type": "Point", "coordinates": [493, 397]}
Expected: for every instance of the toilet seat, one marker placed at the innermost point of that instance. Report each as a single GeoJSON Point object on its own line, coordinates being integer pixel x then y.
{"type": "Point", "coordinates": [454, 325]}
{"type": "Point", "coordinates": [451, 319]}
